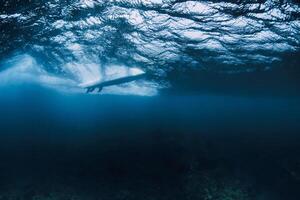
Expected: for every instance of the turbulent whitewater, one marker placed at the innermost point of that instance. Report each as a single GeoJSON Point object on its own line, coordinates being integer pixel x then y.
{"type": "Point", "coordinates": [72, 42]}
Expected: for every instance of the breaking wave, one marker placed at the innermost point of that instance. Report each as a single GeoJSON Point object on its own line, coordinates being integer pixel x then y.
{"type": "Point", "coordinates": [80, 41]}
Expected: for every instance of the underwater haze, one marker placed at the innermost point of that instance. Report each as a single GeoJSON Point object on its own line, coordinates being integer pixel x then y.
{"type": "Point", "coordinates": [149, 99]}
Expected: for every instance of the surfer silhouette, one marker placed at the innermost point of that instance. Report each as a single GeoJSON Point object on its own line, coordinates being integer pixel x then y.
{"type": "Point", "coordinates": [102, 84]}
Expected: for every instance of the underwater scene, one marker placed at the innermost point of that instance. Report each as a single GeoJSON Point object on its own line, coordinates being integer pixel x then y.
{"type": "Point", "coordinates": [149, 100]}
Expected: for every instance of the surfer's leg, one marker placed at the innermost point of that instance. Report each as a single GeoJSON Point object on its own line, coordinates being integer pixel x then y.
{"type": "Point", "coordinates": [90, 89]}
{"type": "Point", "coordinates": [100, 89]}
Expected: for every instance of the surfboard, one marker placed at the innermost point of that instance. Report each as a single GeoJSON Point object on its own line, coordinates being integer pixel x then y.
{"type": "Point", "coordinates": [101, 84]}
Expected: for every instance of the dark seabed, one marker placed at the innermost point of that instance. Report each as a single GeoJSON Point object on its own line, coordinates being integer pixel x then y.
{"type": "Point", "coordinates": [68, 146]}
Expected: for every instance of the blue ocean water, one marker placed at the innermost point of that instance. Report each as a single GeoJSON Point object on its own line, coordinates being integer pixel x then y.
{"type": "Point", "coordinates": [211, 111]}
{"type": "Point", "coordinates": [63, 146]}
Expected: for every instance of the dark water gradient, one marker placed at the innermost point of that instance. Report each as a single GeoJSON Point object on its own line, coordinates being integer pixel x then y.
{"type": "Point", "coordinates": [127, 147]}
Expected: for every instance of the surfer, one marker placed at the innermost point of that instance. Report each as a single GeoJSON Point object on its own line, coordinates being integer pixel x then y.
{"type": "Point", "coordinates": [102, 84]}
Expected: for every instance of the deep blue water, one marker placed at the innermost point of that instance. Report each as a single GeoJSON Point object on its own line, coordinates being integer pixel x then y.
{"type": "Point", "coordinates": [216, 116]}
{"type": "Point", "coordinates": [161, 147]}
